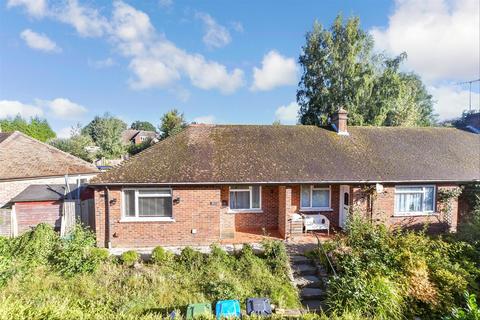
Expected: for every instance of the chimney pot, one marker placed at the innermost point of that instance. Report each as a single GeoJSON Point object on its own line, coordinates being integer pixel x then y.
{"type": "Point", "coordinates": [339, 121]}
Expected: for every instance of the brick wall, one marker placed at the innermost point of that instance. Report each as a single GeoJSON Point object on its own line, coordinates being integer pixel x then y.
{"type": "Point", "coordinates": [199, 209]}
{"type": "Point", "coordinates": [9, 189]}
{"type": "Point", "coordinates": [30, 214]}
{"type": "Point", "coordinates": [267, 219]}
{"type": "Point", "coordinates": [383, 210]}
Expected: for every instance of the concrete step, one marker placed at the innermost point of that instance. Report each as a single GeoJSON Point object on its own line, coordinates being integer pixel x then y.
{"type": "Point", "coordinates": [298, 259]}
{"type": "Point", "coordinates": [304, 269]}
{"type": "Point", "coordinates": [312, 293]}
{"type": "Point", "coordinates": [308, 281]}
{"type": "Point", "coordinates": [314, 305]}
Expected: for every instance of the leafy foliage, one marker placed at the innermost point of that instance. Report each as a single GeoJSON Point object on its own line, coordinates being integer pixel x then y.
{"type": "Point", "coordinates": [36, 128]}
{"type": "Point", "coordinates": [137, 148]}
{"type": "Point", "coordinates": [340, 70]}
{"type": "Point", "coordinates": [161, 256]}
{"type": "Point", "coordinates": [142, 125]}
{"type": "Point", "coordinates": [470, 312]}
{"type": "Point", "coordinates": [130, 257]}
{"type": "Point", "coordinates": [106, 132]}
{"type": "Point", "coordinates": [171, 123]}
{"type": "Point", "coordinates": [76, 145]}
{"type": "Point", "coordinates": [396, 274]}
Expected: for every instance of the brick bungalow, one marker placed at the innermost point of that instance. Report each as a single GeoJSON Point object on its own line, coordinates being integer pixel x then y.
{"type": "Point", "coordinates": [210, 181]}
{"type": "Point", "coordinates": [27, 162]}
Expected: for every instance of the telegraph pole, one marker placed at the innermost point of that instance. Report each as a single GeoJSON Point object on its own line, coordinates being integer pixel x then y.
{"type": "Point", "coordinates": [470, 94]}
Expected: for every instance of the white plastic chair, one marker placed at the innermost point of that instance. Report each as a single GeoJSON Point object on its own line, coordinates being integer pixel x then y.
{"type": "Point", "coordinates": [316, 222]}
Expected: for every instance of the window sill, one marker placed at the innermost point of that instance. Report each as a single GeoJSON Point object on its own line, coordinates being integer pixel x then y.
{"type": "Point", "coordinates": [153, 219]}
{"type": "Point", "coordinates": [415, 214]}
{"type": "Point", "coordinates": [245, 211]}
{"type": "Point", "coordinates": [315, 209]}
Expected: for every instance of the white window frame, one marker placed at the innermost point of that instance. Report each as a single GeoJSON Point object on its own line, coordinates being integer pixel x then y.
{"type": "Point", "coordinates": [415, 213]}
{"type": "Point", "coordinates": [249, 189]}
{"type": "Point", "coordinates": [126, 218]}
{"type": "Point", "coordinates": [312, 188]}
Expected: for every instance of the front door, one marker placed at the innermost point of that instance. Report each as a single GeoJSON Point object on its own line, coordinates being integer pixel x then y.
{"type": "Point", "coordinates": [344, 205]}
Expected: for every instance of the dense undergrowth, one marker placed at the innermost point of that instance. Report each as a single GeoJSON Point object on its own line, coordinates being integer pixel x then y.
{"type": "Point", "coordinates": [45, 277]}
{"type": "Point", "coordinates": [394, 274]}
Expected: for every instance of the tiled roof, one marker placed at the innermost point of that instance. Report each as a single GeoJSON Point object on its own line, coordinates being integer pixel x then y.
{"type": "Point", "coordinates": [282, 154]}
{"type": "Point", "coordinates": [24, 157]}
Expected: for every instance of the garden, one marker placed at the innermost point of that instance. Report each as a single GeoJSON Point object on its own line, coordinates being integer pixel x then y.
{"type": "Point", "coordinates": [45, 277]}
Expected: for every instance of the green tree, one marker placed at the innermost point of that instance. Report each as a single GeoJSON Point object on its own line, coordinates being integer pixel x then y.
{"type": "Point", "coordinates": [172, 122]}
{"type": "Point", "coordinates": [76, 145]}
{"type": "Point", "coordinates": [36, 127]}
{"type": "Point", "coordinates": [340, 70]}
{"type": "Point", "coordinates": [142, 125]}
{"type": "Point", "coordinates": [106, 132]}
{"type": "Point", "coordinates": [136, 148]}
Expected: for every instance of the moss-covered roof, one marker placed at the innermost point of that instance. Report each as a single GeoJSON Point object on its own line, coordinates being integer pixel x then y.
{"type": "Point", "coordinates": [276, 154]}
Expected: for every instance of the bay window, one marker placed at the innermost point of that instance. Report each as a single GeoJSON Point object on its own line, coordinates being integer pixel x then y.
{"type": "Point", "coordinates": [315, 197]}
{"type": "Point", "coordinates": [147, 204]}
{"type": "Point", "coordinates": [413, 200]}
{"type": "Point", "coordinates": [245, 197]}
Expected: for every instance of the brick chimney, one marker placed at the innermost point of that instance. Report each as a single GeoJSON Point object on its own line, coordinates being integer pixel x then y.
{"type": "Point", "coordinates": [339, 121]}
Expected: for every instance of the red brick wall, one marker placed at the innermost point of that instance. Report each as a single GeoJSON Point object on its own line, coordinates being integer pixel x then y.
{"type": "Point", "coordinates": [199, 209]}
{"type": "Point", "coordinates": [30, 214]}
{"type": "Point", "coordinates": [383, 210]}
{"type": "Point", "coordinates": [267, 219]}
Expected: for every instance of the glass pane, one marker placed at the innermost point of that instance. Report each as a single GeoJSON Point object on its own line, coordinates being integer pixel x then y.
{"type": "Point", "coordinates": [345, 199]}
{"type": "Point", "coordinates": [129, 201]}
{"type": "Point", "coordinates": [429, 200]}
{"type": "Point", "coordinates": [256, 197]}
{"type": "Point", "coordinates": [408, 202]}
{"type": "Point", "coordinates": [155, 207]}
{"type": "Point", "coordinates": [305, 196]}
{"type": "Point", "coordinates": [321, 198]}
{"type": "Point", "coordinates": [239, 199]}
{"type": "Point", "coordinates": [239, 187]}
{"type": "Point", "coordinates": [154, 192]}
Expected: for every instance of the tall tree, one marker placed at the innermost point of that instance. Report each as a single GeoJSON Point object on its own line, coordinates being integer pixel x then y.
{"type": "Point", "coordinates": [340, 70]}
{"type": "Point", "coordinates": [76, 145]}
{"type": "Point", "coordinates": [142, 125]}
{"type": "Point", "coordinates": [106, 132]}
{"type": "Point", "coordinates": [171, 123]}
{"type": "Point", "coordinates": [36, 127]}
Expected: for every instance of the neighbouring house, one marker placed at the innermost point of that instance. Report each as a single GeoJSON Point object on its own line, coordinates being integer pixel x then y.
{"type": "Point", "coordinates": [133, 136]}
{"type": "Point", "coordinates": [210, 181]}
{"type": "Point", "coordinates": [25, 162]}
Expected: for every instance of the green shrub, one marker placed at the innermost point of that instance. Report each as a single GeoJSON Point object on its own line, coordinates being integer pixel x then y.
{"type": "Point", "coordinates": [470, 312]}
{"type": "Point", "coordinates": [190, 258]}
{"type": "Point", "coordinates": [35, 247]}
{"type": "Point", "coordinates": [129, 258]}
{"type": "Point", "coordinates": [276, 255]}
{"type": "Point", "coordinates": [72, 254]}
{"type": "Point", "coordinates": [160, 255]}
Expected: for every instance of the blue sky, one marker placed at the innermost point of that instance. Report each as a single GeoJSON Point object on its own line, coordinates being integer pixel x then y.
{"type": "Point", "coordinates": [216, 61]}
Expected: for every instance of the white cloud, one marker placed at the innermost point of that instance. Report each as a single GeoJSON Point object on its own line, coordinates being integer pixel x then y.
{"type": "Point", "coordinates": [216, 35]}
{"type": "Point", "coordinates": [165, 3]}
{"type": "Point", "coordinates": [101, 64]}
{"type": "Point", "coordinates": [12, 108]}
{"type": "Point", "coordinates": [237, 26]}
{"type": "Point", "coordinates": [287, 114]}
{"type": "Point", "coordinates": [210, 119]}
{"type": "Point", "coordinates": [154, 60]}
{"type": "Point", "coordinates": [441, 37]}
{"type": "Point", "coordinates": [452, 101]}
{"type": "Point", "coordinates": [276, 71]}
{"type": "Point", "coordinates": [62, 108]}
{"type": "Point", "coordinates": [35, 8]}
{"type": "Point", "coordinates": [39, 41]}
{"type": "Point", "coordinates": [64, 133]}
{"type": "Point", "coordinates": [87, 21]}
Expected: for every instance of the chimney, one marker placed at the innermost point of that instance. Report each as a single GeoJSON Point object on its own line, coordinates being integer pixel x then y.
{"type": "Point", "coordinates": [339, 121]}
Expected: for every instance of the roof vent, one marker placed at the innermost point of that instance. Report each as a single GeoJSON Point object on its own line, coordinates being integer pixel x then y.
{"type": "Point", "coordinates": [339, 121]}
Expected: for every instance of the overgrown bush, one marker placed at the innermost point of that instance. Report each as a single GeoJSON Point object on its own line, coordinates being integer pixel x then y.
{"type": "Point", "coordinates": [160, 255]}
{"type": "Point", "coordinates": [129, 258]}
{"type": "Point", "coordinates": [396, 274]}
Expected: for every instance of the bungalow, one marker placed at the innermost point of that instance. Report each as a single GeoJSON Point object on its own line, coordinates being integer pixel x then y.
{"type": "Point", "coordinates": [26, 162]}
{"type": "Point", "coordinates": [210, 181]}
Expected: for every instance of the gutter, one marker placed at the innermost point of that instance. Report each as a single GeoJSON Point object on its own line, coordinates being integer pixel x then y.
{"type": "Point", "coordinates": [277, 182]}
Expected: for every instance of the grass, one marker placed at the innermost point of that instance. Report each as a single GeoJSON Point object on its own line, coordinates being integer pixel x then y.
{"type": "Point", "coordinates": [47, 287]}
